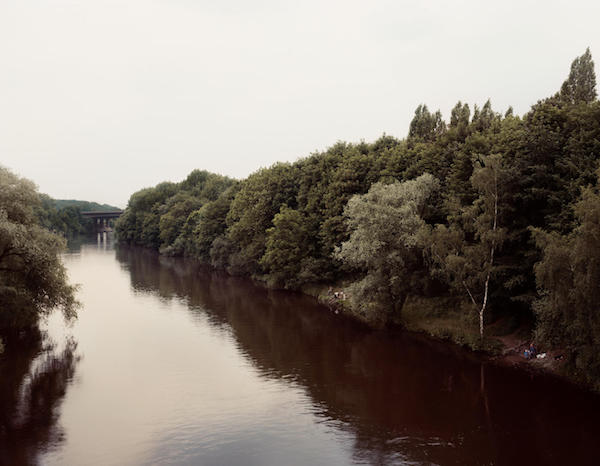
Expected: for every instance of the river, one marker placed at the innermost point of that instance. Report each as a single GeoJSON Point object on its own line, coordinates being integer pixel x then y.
{"type": "Point", "coordinates": [170, 363]}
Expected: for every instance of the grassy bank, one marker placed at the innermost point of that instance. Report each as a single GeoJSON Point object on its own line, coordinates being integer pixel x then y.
{"type": "Point", "coordinates": [453, 320]}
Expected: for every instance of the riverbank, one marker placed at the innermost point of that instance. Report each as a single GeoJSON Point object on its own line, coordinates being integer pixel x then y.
{"type": "Point", "coordinates": [445, 320]}
{"type": "Point", "coordinates": [451, 321]}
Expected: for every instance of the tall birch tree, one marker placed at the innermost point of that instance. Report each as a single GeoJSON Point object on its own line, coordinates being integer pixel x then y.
{"type": "Point", "coordinates": [463, 253]}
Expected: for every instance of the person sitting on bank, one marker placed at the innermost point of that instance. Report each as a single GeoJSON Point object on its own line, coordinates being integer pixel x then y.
{"type": "Point", "coordinates": [532, 350]}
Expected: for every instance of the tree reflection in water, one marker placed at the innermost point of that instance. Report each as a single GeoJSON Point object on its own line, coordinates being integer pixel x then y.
{"type": "Point", "coordinates": [34, 375]}
{"type": "Point", "coordinates": [403, 398]}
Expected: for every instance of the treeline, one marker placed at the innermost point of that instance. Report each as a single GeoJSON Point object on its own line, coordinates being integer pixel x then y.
{"type": "Point", "coordinates": [498, 211]}
{"type": "Point", "coordinates": [64, 217]}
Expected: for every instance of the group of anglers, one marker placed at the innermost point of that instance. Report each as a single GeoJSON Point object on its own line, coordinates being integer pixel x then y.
{"type": "Point", "coordinates": [532, 353]}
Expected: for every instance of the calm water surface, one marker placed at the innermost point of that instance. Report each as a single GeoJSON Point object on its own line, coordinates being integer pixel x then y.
{"type": "Point", "coordinates": [169, 363]}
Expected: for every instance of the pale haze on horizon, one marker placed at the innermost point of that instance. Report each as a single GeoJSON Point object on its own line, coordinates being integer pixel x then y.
{"type": "Point", "coordinates": [100, 99]}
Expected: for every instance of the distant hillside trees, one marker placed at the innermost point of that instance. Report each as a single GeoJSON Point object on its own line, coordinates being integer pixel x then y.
{"type": "Point", "coordinates": [64, 216]}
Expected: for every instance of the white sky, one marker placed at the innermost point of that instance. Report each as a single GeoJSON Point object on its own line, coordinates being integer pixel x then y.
{"type": "Point", "coordinates": [101, 98]}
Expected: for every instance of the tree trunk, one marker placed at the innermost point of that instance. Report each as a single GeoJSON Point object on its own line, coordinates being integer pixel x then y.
{"type": "Point", "coordinates": [481, 322]}
{"type": "Point", "coordinates": [485, 295]}
{"type": "Point", "coordinates": [492, 250]}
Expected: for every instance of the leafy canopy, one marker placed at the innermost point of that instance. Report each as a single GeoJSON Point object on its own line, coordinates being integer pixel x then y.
{"type": "Point", "coordinates": [33, 280]}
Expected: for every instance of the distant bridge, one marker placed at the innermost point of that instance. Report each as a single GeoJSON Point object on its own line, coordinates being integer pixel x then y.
{"type": "Point", "coordinates": [104, 219]}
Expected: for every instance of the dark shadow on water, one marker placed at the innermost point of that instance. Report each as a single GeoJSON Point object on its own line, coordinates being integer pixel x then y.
{"type": "Point", "coordinates": [34, 375]}
{"type": "Point", "coordinates": [404, 399]}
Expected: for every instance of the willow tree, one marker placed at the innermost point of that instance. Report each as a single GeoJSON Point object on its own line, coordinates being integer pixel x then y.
{"type": "Point", "coordinates": [384, 227]}
{"type": "Point", "coordinates": [33, 280]}
{"type": "Point", "coordinates": [463, 253]}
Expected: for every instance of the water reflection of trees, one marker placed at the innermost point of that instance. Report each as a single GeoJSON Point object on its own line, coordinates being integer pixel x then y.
{"type": "Point", "coordinates": [34, 375]}
{"type": "Point", "coordinates": [404, 398]}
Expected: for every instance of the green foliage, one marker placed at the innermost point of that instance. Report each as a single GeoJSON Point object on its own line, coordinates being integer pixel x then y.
{"type": "Point", "coordinates": [580, 86]}
{"type": "Point", "coordinates": [176, 211]}
{"type": "Point", "coordinates": [384, 225]}
{"type": "Point", "coordinates": [165, 217]}
{"type": "Point", "coordinates": [288, 246]}
{"type": "Point", "coordinates": [32, 278]}
{"type": "Point", "coordinates": [568, 277]}
{"type": "Point", "coordinates": [260, 197]}
{"type": "Point", "coordinates": [464, 252]}
{"type": "Point", "coordinates": [426, 126]}
{"type": "Point", "coordinates": [447, 318]}
{"type": "Point", "coordinates": [64, 216]}
{"type": "Point", "coordinates": [366, 213]}
{"type": "Point", "coordinates": [211, 222]}
{"type": "Point", "coordinates": [82, 205]}
{"type": "Point", "coordinates": [460, 118]}
{"type": "Point", "coordinates": [139, 224]}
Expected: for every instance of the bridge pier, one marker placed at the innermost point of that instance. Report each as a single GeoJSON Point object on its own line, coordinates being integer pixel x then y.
{"type": "Point", "coordinates": [102, 238]}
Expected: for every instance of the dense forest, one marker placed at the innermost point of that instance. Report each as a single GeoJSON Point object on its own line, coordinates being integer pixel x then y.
{"type": "Point", "coordinates": [485, 218]}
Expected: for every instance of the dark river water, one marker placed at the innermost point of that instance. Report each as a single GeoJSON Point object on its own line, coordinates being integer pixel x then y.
{"type": "Point", "coordinates": [170, 363]}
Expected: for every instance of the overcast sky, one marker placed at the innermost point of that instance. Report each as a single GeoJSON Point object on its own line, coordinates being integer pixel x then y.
{"type": "Point", "coordinates": [101, 98]}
